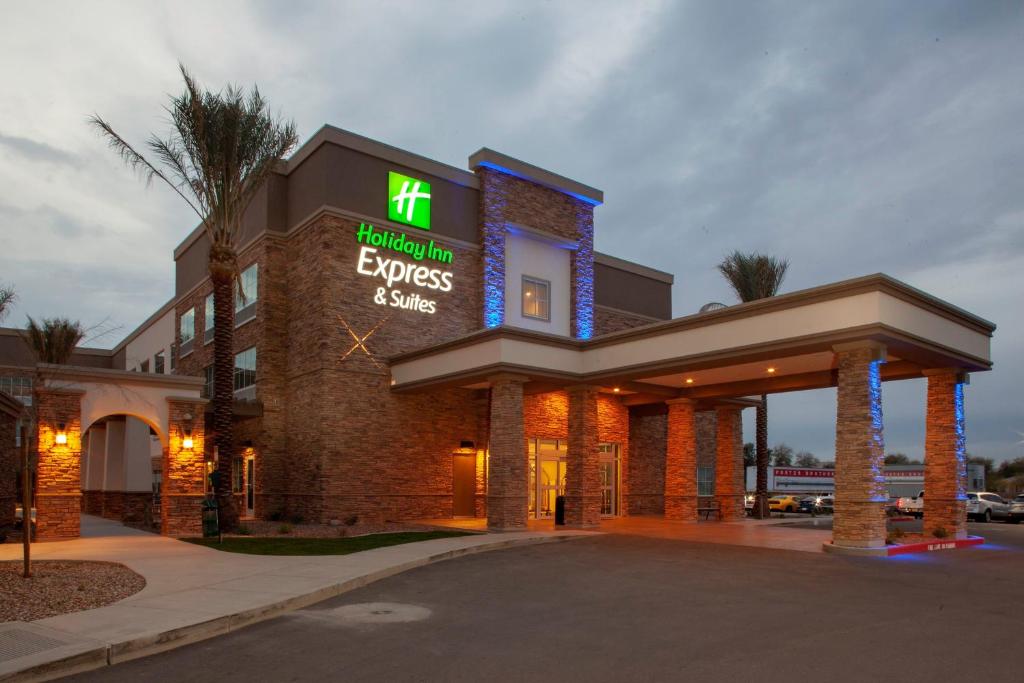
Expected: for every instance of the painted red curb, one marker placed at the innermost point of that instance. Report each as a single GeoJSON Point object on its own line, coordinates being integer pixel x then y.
{"type": "Point", "coordinates": [906, 518]}
{"type": "Point", "coordinates": [929, 546]}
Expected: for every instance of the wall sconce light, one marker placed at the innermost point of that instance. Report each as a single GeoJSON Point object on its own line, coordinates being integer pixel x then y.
{"type": "Point", "coordinates": [62, 435]}
{"type": "Point", "coordinates": [186, 442]}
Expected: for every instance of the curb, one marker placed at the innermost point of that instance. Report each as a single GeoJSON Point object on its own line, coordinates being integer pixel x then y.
{"type": "Point", "coordinates": [155, 643]}
{"type": "Point", "coordinates": [904, 549]}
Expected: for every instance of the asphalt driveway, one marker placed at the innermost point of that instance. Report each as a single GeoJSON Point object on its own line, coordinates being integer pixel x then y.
{"type": "Point", "coordinates": [626, 608]}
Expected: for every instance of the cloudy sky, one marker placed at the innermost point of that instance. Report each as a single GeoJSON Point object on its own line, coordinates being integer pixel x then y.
{"type": "Point", "coordinates": [849, 137]}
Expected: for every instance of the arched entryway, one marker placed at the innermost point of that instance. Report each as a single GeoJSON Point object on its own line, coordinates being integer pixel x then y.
{"type": "Point", "coordinates": [71, 400]}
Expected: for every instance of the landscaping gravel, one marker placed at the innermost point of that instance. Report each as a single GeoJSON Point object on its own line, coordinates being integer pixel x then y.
{"type": "Point", "coordinates": [59, 587]}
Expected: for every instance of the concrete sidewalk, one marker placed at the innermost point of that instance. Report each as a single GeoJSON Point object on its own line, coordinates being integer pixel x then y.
{"type": "Point", "coordinates": [193, 592]}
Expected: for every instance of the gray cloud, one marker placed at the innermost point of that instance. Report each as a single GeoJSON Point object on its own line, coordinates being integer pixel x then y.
{"type": "Point", "coordinates": [38, 151]}
{"type": "Point", "coordinates": [851, 137]}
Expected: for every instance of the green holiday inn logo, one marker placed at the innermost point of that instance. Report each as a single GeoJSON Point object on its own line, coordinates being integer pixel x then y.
{"type": "Point", "coordinates": [408, 200]}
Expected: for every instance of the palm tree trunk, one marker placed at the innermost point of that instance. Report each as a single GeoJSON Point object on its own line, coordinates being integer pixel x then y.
{"type": "Point", "coordinates": [761, 493]}
{"type": "Point", "coordinates": [222, 272]}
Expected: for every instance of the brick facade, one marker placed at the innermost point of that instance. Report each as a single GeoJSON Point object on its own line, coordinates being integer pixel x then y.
{"type": "Point", "coordinates": [729, 484]}
{"type": "Point", "coordinates": [583, 475]}
{"type": "Point", "coordinates": [58, 494]}
{"type": "Point", "coordinates": [945, 457]}
{"type": "Point", "coordinates": [608, 320]}
{"type": "Point", "coordinates": [507, 493]}
{"type": "Point", "coordinates": [681, 461]}
{"type": "Point", "coordinates": [859, 519]}
{"type": "Point", "coordinates": [184, 471]}
{"type": "Point", "coordinates": [10, 412]}
{"type": "Point", "coordinates": [648, 434]}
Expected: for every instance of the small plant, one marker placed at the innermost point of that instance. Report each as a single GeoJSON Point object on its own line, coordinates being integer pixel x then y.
{"type": "Point", "coordinates": [243, 530]}
{"type": "Point", "coordinates": [284, 529]}
{"type": "Point", "coordinates": [351, 520]}
{"type": "Point", "coordinates": [940, 532]}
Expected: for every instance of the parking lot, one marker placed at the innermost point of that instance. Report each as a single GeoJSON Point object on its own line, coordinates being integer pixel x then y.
{"type": "Point", "coordinates": [623, 607]}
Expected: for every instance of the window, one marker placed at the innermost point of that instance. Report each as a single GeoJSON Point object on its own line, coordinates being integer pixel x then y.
{"type": "Point", "coordinates": [187, 330]}
{"type": "Point", "coordinates": [245, 296]}
{"type": "Point", "coordinates": [208, 383]}
{"type": "Point", "coordinates": [208, 315]}
{"type": "Point", "coordinates": [174, 357]}
{"type": "Point", "coordinates": [237, 476]}
{"type": "Point", "coordinates": [705, 481]}
{"type": "Point", "coordinates": [536, 298]}
{"type": "Point", "coordinates": [17, 387]}
{"type": "Point", "coordinates": [245, 369]}
{"type": "Point", "coordinates": [144, 366]}
{"type": "Point", "coordinates": [158, 362]}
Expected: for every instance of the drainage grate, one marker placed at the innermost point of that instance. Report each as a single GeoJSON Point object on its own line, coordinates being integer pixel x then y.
{"type": "Point", "coordinates": [17, 642]}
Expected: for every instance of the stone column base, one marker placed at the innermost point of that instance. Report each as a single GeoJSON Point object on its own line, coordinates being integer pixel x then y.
{"type": "Point", "coordinates": [681, 508]}
{"type": "Point", "coordinates": [58, 516]}
{"type": "Point", "coordinates": [730, 507]}
{"type": "Point", "coordinates": [182, 515]}
{"type": "Point", "coordinates": [948, 513]}
{"type": "Point", "coordinates": [859, 524]}
{"type": "Point", "coordinates": [583, 512]}
{"type": "Point", "coordinates": [506, 513]}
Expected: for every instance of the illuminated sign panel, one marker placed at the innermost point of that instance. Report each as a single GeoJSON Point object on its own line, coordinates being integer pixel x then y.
{"type": "Point", "coordinates": [408, 200]}
{"type": "Point", "coordinates": [398, 276]}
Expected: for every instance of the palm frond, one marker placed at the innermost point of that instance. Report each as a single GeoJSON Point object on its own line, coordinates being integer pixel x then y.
{"type": "Point", "coordinates": [54, 340]}
{"type": "Point", "coordinates": [753, 276]}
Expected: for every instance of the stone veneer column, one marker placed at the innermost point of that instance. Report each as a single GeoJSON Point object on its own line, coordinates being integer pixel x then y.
{"type": "Point", "coordinates": [184, 470]}
{"type": "Point", "coordinates": [945, 459]}
{"type": "Point", "coordinates": [681, 461]}
{"type": "Point", "coordinates": [583, 470]}
{"type": "Point", "coordinates": [507, 472]}
{"type": "Point", "coordinates": [493, 199]}
{"type": "Point", "coordinates": [59, 482]}
{"type": "Point", "coordinates": [859, 519]}
{"type": "Point", "coordinates": [729, 463]}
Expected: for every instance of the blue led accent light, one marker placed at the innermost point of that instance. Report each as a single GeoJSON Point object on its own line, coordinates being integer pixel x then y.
{"type": "Point", "coordinates": [584, 273]}
{"type": "Point", "coordinates": [961, 441]}
{"type": "Point", "coordinates": [879, 492]}
{"type": "Point", "coordinates": [494, 197]}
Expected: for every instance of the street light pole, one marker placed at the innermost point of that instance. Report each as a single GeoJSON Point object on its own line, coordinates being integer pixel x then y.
{"type": "Point", "coordinates": [26, 505]}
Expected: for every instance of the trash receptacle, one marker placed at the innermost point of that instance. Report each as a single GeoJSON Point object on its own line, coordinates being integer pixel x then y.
{"type": "Point", "coordinates": [211, 518]}
{"type": "Point", "coordinates": [560, 510]}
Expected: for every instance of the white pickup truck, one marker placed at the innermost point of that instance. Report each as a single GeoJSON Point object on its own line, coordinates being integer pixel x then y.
{"type": "Point", "coordinates": [911, 506]}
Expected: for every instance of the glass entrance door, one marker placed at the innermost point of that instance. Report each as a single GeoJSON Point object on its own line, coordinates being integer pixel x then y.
{"type": "Point", "coordinates": [550, 485]}
{"type": "Point", "coordinates": [547, 458]}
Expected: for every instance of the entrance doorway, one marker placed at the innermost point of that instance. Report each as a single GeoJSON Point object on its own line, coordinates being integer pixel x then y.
{"type": "Point", "coordinates": [463, 485]}
{"type": "Point", "coordinates": [547, 459]}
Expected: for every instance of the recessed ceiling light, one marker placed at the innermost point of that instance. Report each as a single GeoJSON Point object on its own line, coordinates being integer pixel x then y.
{"type": "Point", "coordinates": [689, 380]}
{"type": "Point", "coordinates": [771, 371]}
{"type": "Point", "coordinates": [616, 390]}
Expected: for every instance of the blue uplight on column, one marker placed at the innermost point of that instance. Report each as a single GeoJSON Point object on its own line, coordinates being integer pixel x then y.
{"type": "Point", "coordinates": [961, 441]}
{"type": "Point", "coordinates": [880, 494]}
{"type": "Point", "coordinates": [584, 272]}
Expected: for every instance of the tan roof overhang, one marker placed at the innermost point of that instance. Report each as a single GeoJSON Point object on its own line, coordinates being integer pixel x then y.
{"type": "Point", "coordinates": [726, 352]}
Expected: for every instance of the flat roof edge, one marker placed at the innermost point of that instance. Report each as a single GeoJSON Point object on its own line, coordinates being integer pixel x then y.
{"type": "Point", "coordinates": [635, 268]}
{"type": "Point", "coordinates": [488, 158]}
{"type": "Point", "coordinates": [144, 325]}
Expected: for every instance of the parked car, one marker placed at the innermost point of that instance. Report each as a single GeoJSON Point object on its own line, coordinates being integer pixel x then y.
{"type": "Point", "coordinates": [817, 504]}
{"type": "Point", "coordinates": [984, 506]}
{"type": "Point", "coordinates": [1016, 512]}
{"type": "Point", "coordinates": [785, 503]}
{"type": "Point", "coordinates": [748, 503]}
{"type": "Point", "coordinates": [911, 506]}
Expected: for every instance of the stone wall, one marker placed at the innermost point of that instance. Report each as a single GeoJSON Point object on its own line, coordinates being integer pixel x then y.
{"type": "Point", "coordinates": [648, 434]}
{"type": "Point", "coordinates": [58, 494]}
{"type": "Point", "coordinates": [9, 457]}
{"type": "Point", "coordinates": [608, 320]}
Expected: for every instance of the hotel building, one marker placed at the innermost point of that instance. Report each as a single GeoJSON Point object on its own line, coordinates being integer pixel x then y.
{"type": "Point", "coordinates": [415, 340]}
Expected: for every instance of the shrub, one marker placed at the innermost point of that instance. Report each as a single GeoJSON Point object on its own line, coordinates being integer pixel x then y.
{"type": "Point", "coordinates": [351, 520]}
{"type": "Point", "coordinates": [243, 530]}
{"type": "Point", "coordinates": [284, 529]}
{"type": "Point", "coordinates": [940, 532]}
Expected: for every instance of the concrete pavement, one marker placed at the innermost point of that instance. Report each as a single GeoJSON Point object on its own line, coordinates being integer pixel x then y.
{"type": "Point", "coordinates": [193, 592]}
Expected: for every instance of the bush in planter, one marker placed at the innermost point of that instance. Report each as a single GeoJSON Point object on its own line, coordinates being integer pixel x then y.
{"type": "Point", "coordinates": [940, 532]}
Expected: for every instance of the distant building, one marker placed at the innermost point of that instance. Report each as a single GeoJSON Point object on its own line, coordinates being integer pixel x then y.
{"type": "Point", "coordinates": [900, 480]}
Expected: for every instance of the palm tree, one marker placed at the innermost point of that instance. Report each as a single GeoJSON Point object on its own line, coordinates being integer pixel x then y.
{"type": "Point", "coordinates": [54, 340]}
{"type": "Point", "coordinates": [221, 149]}
{"type": "Point", "coordinates": [756, 276]}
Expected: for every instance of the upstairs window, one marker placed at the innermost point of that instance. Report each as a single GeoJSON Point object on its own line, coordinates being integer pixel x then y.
{"type": "Point", "coordinates": [17, 387]}
{"type": "Point", "coordinates": [187, 329]}
{"type": "Point", "coordinates": [208, 381]}
{"type": "Point", "coordinates": [536, 298]}
{"type": "Point", "coordinates": [144, 366]}
{"type": "Point", "coordinates": [158, 362]}
{"type": "Point", "coordinates": [245, 295]}
{"type": "Point", "coordinates": [208, 314]}
{"type": "Point", "coordinates": [174, 357]}
{"type": "Point", "coordinates": [245, 369]}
